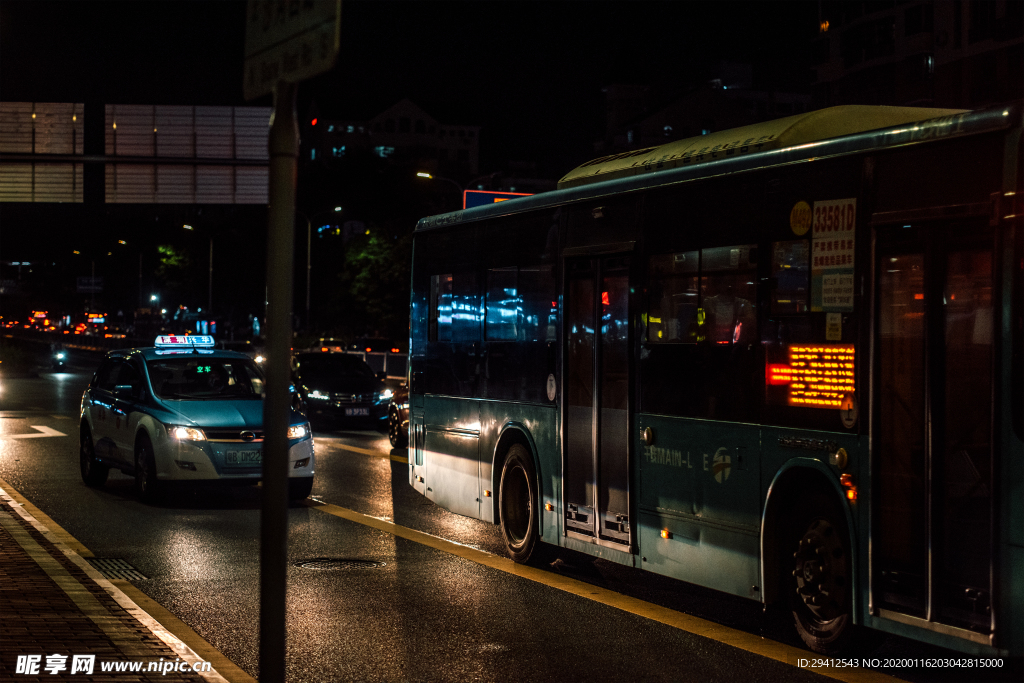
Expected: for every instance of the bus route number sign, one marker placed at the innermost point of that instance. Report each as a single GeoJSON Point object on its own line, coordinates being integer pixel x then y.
{"type": "Point", "coordinates": [832, 254]}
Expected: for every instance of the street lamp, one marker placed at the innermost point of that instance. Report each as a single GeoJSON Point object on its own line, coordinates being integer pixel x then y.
{"type": "Point", "coordinates": [309, 252]}
{"type": "Point", "coordinates": [462, 190]}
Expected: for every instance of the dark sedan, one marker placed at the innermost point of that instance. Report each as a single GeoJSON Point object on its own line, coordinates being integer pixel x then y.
{"type": "Point", "coordinates": [398, 418]}
{"type": "Point", "coordinates": [341, 386]}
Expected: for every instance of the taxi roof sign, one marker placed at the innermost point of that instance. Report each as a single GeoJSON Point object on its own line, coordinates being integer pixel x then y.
{"type": "Point", "coordinates": [184, 340]}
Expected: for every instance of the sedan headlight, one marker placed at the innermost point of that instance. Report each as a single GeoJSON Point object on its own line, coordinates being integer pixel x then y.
{"type": "Point", "coordinates": [298, 431]}
{"type": "Point", "coordinates": [182, 433]}
{"type": "Point", "coordinates": [385, 395]}
{"type": "Point", "coordinates": [319, 395]}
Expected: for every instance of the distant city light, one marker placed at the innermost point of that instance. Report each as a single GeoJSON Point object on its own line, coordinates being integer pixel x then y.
{"type": "Point", "coordinates": [424, 175]}
{"type": "Point", "coordinates": [313, 123]}
{"type": "Point", "coordinates": [187, 226]}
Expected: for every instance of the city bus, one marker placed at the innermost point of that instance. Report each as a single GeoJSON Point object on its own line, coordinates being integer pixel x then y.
{"type": "Point", "coordinates": [783, 361]}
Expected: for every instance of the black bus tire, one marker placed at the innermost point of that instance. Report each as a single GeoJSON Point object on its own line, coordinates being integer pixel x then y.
{"type": "Point", "coordinates": [147, 488]}
{"type": "Point", "coordinates": [93, 473]}
{"type": "Point", "coordinates": [519, 507]}
{"type": "Point", "coordinates": [819, 577]}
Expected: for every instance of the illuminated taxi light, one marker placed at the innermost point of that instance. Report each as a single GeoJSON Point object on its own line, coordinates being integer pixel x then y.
{"type": "Point", "coordinates": [298, 432]}
{"type": "Point", "coordinates": [182, 433]}
{"type": "Point", "coordinates": [181, 341]}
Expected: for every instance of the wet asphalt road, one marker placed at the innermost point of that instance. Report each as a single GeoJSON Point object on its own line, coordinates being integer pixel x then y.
{"type": "Point", "coordinates": [424, 615]}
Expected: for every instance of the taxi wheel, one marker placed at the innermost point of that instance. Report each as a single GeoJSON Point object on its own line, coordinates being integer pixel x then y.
{"type": "Point", "coordinates": [299, 489]}
{"type": "Point", "coordinates": [398, 438]}
{"type": "Point", "coordinates": [146, 485]}
{"type": "Point", "coordinates": [93, 473]}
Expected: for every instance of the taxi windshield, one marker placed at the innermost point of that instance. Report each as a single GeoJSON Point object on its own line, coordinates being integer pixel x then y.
{"type": "Point", "coordinates": [199, 378]}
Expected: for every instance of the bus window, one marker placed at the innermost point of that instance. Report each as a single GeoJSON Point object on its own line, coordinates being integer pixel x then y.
{"type": "Point", "coordinates": [540, 308]}
{"type": "Point", "coordinates": [504, 305]}
{"type": "Point", "coordinates": [440, 322]}
{"type": "Point", "coordinates": [728, 295]}
{"type": "Point", "coordinates": [791, 277]}
{"type": "Point", "coordinates": [672, 310]}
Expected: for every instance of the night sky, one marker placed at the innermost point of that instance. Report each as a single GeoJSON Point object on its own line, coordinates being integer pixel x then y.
{"type": "Point", "coordinates": [529, 73]}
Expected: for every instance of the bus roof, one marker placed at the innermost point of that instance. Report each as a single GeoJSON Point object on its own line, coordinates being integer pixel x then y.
{"type": "Point", "coordinates": [790, 131]}
{"type": "Point", "coordinates": [836, 131]}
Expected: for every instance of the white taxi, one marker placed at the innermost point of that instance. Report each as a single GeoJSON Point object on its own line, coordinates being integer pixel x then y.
{"type": "Point", "coordinates": [183, 411]}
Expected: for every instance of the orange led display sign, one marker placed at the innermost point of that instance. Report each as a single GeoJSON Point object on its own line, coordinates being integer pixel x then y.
{"type": "Point", "coordinates": [818, 375]}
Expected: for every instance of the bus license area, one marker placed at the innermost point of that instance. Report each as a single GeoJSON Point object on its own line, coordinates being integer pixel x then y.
{"type": "Point", "coordinates": [818, 375]}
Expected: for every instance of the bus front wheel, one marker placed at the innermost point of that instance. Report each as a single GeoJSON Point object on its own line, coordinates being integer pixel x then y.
{"type": "Point", "coordinates": [518, 504]}
{"type": "Point", "coordinates": [819, 584]}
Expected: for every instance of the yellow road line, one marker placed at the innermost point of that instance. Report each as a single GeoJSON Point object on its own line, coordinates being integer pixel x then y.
{"type": "Point", "coordinates": [150, 613]}
{"type": "Point", "coordinates": [739, 639]}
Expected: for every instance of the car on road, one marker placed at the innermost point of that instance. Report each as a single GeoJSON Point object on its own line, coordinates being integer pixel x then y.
{"type": "Point", "coordinates": [340, 386]}
{"type": "Point", "coordinates": [398, 417]}
{"type": "Point", "coordinates": [183, 412]}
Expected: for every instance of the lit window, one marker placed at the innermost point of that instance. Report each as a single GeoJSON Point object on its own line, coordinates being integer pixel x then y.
{"type": "Point", "coordinates": [312, 154]}
{"type": "Point", "coordinates": [351, 129]}
{"type": "Point", "coordinates": [383, 152]}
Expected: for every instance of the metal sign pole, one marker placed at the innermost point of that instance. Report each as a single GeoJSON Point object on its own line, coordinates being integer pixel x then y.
{"type": "Point", "coordinates": [284, 144]}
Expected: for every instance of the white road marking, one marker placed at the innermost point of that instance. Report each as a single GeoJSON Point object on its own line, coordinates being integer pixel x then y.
{"type": "Point", "coordinates": [44, 431]}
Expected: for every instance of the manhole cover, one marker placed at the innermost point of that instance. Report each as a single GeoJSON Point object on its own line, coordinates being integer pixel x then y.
{"type": "Point", "coordinates": [116, 569]}
{"type": "Point", "coordinates": [338, 563]}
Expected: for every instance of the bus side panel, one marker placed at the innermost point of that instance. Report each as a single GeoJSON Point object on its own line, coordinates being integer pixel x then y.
{"type": "Point", "coordinates": [451, 443]}
{"type": "Point", "coordinates": [539, 424]}
{"type": "Point", "coordinates": [700, 484]}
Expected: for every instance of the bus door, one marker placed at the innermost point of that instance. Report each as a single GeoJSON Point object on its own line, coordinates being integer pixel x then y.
{"type": "Point", "coordinates": [596, 474]}
{"type": "Point", "coordinates": [933, 446]}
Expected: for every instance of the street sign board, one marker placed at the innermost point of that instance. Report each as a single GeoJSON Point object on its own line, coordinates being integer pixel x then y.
{"type": "Point", "coordinates": [90, 285]}
{"type": "Point", "coordinates": [471, 198]}
{"type": "Point", "coordinates": [288, 40]}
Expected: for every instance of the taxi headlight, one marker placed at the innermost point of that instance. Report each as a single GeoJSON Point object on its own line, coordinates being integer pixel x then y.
{"type": "Point", "coordinates": [182, 433]}
{"type": "Point", "coordinates": [318, 395]}
{"type": "Point", "coordinates": [385, 395]}
{"type": "Point", "coordinates": [298, 431]}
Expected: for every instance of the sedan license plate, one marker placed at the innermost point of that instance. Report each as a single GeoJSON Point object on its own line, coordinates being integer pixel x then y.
{"type": "Point", "coordinates": [357, 412]}
{"type": "Point", "coordinates": [244, 457]}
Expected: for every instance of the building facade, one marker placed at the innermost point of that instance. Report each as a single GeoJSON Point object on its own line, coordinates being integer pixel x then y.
{"type": "Point", "coordinates": [954, 53]}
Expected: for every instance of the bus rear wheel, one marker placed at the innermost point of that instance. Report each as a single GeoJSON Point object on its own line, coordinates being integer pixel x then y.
{"type": "Point", "coordinates": [819, 585]}
{"type": "Point", "coordinates": [518, 503]}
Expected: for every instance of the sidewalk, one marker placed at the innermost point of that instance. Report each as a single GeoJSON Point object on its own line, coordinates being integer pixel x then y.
{"type": "Point", "coordinates": [61, 620]}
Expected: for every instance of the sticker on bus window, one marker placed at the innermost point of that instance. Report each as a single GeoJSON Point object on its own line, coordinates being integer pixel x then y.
{"type": "Point", "coordinates": [800, 218]}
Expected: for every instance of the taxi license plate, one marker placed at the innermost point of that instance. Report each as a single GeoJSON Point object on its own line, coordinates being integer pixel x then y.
{"type": "Point", "coordinates": [244, 457]}
{"type": "Point", "coordinates": [357, 412]}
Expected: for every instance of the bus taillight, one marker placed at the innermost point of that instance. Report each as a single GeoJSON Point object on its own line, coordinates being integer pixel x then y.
{"type": "Point", "coordinates": [851, 489]}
